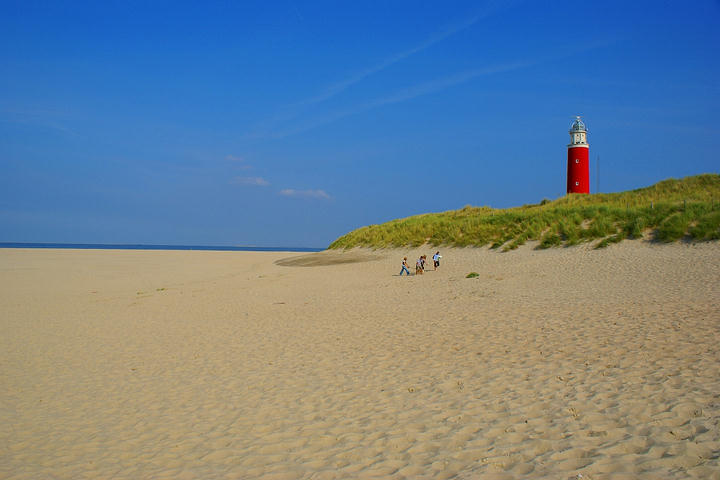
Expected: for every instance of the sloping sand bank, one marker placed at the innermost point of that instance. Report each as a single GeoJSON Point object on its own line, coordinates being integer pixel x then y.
{"type": "Point", "coordinates": [328, 257]}
{"type": "Point", "coordinates": [184, 365]}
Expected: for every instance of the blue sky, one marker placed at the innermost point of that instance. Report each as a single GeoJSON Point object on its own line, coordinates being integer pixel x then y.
{"type": "Point", "coordinates": [284, 123]}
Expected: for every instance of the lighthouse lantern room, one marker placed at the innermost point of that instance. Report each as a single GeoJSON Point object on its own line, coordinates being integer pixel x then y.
{"type": "Point", "coordinates": [578, 166]}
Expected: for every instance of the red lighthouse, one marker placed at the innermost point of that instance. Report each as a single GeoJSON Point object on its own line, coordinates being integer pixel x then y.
{"type": "Point", "coordinates": [578, 166]}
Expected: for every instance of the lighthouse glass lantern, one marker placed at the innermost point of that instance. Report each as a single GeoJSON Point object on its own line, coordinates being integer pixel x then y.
{"type": "Point", "coordinates": [578, 166]}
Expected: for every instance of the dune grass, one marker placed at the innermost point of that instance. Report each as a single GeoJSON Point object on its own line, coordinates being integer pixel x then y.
{"type": "Point", "coordinates": [670, 210]}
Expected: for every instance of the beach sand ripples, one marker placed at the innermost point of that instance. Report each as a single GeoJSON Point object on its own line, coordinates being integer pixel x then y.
{"type": "Point", "coordinates": [184, 365]}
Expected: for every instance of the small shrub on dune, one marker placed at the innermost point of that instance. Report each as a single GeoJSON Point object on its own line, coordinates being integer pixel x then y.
{"type": "Point", "coordinates": [572, 241]}
{"type": "Point", "coordinates": [570, 231]}
{"type": "Point", "coordinates": [600, 227]}
{"type": "Point", "coordinates": [659, 212]}
{"type": "Point", "coordinates": [707, 227]}
{"type": "Point", "coordinates": [617, 238]}
{"type": "Point", "coordinates": [497, 244]}
{"type": "Point", "coordinates": [502, 241]}
{"type": "Point", "coordinates": [634, 227]}
{"type": "Point", "coordinates": [462, 241]}
{"type": "Point", "coordinates": [550, 239]}
{"type": "Point", "coordinates": [534, 226]}
{"type": "Point", "coordinates": [519, 240]}
{"type": "Point", "coordinates": [484, 235]}
{"type": "Point", "coordinates": [673, 227]}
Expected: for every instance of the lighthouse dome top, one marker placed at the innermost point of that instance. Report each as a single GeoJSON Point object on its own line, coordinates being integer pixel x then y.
{"type": "Point", "coordinates": [578, 126]}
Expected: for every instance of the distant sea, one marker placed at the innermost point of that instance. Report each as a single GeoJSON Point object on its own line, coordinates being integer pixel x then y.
{"type": "Point", "coordinates": [104, 246]}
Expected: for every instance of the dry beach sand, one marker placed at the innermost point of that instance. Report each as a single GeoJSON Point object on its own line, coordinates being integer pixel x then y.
{"type": "Point", "coordinates": [241, 365]}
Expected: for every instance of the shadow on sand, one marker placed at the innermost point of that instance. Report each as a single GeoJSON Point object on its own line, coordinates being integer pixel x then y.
{"type": "Point", "coordinates": [326, 258]}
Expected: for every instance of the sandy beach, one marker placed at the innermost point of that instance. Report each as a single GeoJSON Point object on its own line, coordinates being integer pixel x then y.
{"type": "Point", "coordinates": [242, 365]}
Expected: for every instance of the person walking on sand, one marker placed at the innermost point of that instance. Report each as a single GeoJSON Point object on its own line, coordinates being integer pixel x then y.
{"type": "Point", "coordinates": [418, 267]}
{"type": "Point", "coordinates": [404, 267]}
{"type": "Point", "coordinates": [436, 260]}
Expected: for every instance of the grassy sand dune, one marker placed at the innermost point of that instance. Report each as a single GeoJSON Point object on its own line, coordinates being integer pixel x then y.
{"type": "Point", "coordinates": [668, 211]}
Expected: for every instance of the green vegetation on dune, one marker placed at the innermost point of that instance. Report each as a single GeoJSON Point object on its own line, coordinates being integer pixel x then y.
{"type": "Point", "coordinates": [670, 210]}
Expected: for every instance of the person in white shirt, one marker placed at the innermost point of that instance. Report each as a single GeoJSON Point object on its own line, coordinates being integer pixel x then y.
{"type": "Point", "coordinates": [436, 260]}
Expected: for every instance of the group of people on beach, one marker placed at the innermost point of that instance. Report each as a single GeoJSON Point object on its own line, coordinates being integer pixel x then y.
{"type": "Point", "coordinates": [420, 264]}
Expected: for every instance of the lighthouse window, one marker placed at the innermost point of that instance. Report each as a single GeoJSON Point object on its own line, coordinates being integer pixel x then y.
{"type": "Point", "coordinates": [577, 184]}
{"type": "Point", "coordinates": [577, 161]}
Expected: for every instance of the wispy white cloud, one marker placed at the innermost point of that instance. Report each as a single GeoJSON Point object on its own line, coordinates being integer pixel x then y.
{"type": "Point", "coordinates": [44, 119]}
{"type": "Point", "coordinates": [296, 109]}
{"type": "Point", "coordinates": [444, 83]}
{"type": "Point", "coordinates": [346, 83]}
{"type": "Point", "coordinates": [290, 192]}
{"type": "Point", "coordinates": [433, 86]}
{"type": "Point", "coordinates": [238, 162]}
{"type": "Point", "coordinates": [405, 94]}
{"type": "Point", "coordinates": [252, 181]}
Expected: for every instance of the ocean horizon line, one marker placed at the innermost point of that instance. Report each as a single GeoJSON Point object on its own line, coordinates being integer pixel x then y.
{"type": "Point", "coordinates": [142, 246]}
